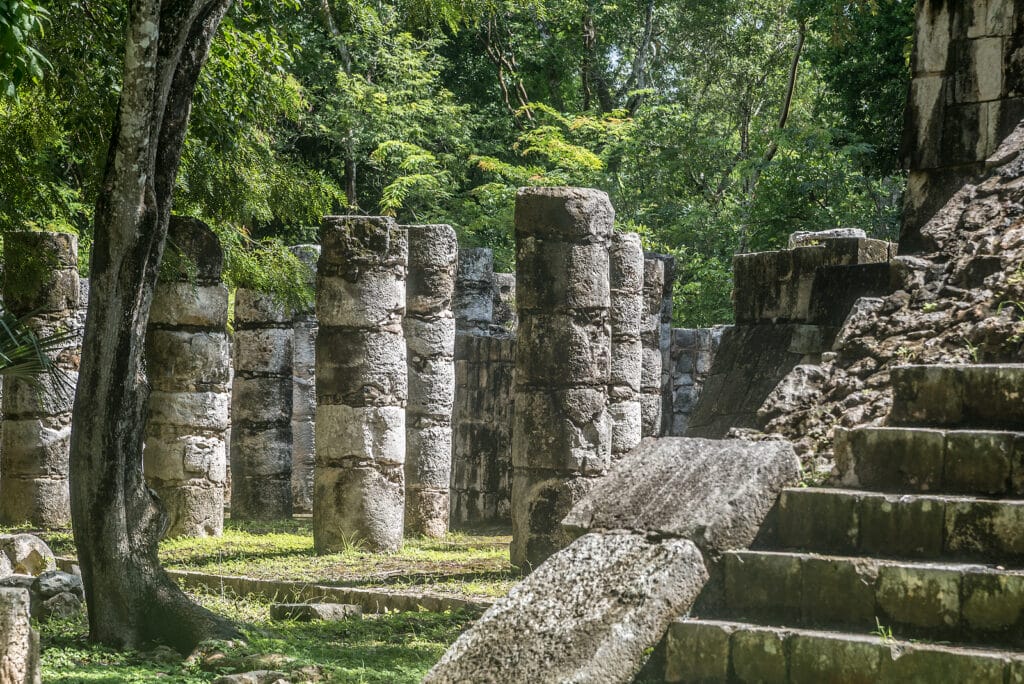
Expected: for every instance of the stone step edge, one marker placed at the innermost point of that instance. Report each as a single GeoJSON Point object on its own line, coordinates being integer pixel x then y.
{"type": "Point", "coordinates": [910, 563]}
{"type": "Point", "coordinates": [370, 600]}
{"type": "Point", "coordinates": [908, 496]}
{"type": "Point", "coordinates": [1012, 662]}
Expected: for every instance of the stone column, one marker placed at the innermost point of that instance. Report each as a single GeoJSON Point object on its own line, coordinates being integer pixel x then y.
{"type": "Point", "coordinates": [40, 281]}
{"type": "Point", "coordinates": [474, 290]}
{"type": "Point", "coordinates": [665, 342]}
{"type": "Point", "coordinates": [504, 301]}
{"type": "Point", "coordinates": [304, 391]}
{"type": "Point", "coordinates": [562, 431]}
{"type": "Point", "coordinates": [650, 336]}
{"type": "Point", "coordinates": [261, 409]}
{"type": "Point", "coordinates": [188, 366]}
{"type": "Point", "coordinates": [430, 339]}
{"type": "Point", "coordinates": [361, 385]}
{"type": "Point", "coordinates": [627, 302]}
{"type": "Point", "coordinates": [19, 643]}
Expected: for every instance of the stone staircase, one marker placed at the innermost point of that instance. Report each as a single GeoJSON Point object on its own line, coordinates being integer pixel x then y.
{"type": "Point", "coordinates": [911, 570]}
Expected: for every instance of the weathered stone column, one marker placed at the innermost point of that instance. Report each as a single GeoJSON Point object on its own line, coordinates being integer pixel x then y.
{"type": "Point", "coordinates": [430, 340]}
{"type": "Point", "coordinates": [40, 281]}
{"type": "Point", "coordinates": [19, 643]}
{"type": "Point", "coordinates": [650, 336]}
{"type": "Point", "coordinates": [504, 301]}
{"type": "Point", "coordinates": [188, 366]}
{"type": "Point", "coordinates": [474, 290]}
{"type": "Point", "coordinates": [361, 385]}
{"type": "Point", "coordinates": [627, 303]}
{"type": "Point", "coordinates": [562, 431]}
{"type": "Point", "coordinates": [665, 342]}
{"type": "Point", "coordinates": [304, 391]}
{"type": "Point", "coordinates": [261, 409]}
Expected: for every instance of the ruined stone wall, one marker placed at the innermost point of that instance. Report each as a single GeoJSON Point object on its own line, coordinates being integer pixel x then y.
{"type": "Point", "coordinates": [40, 281]}
{"type": "Point", "coordinates": [481, 478]}
{"type": "Point", "coordinates": [692, 354]}
{"type": "Point", "coordinates": [966, 96]}
{"type": "Point", "coordinates": [785, 304]}
{"type": "Point", "coordinates": [188, 367]}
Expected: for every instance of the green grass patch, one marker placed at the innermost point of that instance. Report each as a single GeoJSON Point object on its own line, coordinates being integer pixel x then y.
{"type": "Point", "coordinates": [393, 647]}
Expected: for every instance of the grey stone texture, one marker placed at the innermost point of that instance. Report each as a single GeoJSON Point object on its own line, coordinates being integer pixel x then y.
{"type": "Point", "coordinates": [361, 384]}
{"type": "Point", "coordinates": [25, 554]}
{"type": "Point", "coordinates": [41, 283]}
{"type": "Point", "coordinates": [966, 96]}
{"type": "Point", "coordinates": [481, 485]}
{"type": "Point", "coordinates": [651, 400]}
{"type": "Point", "coordinates": [304, 332]}
{"type": "Point", "coordinates": [188, 367]}
{"type": "Point", "coordinates": [429, 326]}
{"type": "Point", "coordinates": [261, 409]}
{"type": "Point", "coordinates": [979, 395]}
{"type": "Point", "coordinates": [715, 493]}
{"type": "Point", "coordinates": [692, 355]}
{"type": "Point", "coordinates": [627, 304]}
{"type": "Point", "coordinates": [586, 615]}
{"type": "Point", "coordinates": [473, 303]}
{"type": "Point", "coordinates": [308, 612]}
{"type": "Point", "coordinates": [19, 642]}
{"type": "Point", "coordinates": [561, 433]}
{"type": "Point", "coordinates": [504, 301]}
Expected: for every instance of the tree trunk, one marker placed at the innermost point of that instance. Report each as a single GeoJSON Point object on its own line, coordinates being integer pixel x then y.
{"type": "Point", "coordinates": [117, 519]}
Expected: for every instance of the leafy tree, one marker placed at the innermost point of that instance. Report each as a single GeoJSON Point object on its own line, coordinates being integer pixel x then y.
{"type": "Point", "coordinates": [19, 60]}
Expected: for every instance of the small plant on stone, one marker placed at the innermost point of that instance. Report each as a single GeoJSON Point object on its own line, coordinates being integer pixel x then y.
{"type": "Point", "coordinates": [882, 632]}
{"type": "Point", "coordinates": [973, 350]}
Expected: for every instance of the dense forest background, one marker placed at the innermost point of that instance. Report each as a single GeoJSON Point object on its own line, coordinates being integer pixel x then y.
{"type": "Point", "coordinates": [716, 127]}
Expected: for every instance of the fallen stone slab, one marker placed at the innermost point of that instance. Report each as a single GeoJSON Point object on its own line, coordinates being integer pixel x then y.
{"type": "Point", "coordinates": [307, 612]}
{"type": "Point", "coordinates": [27, 553]}
{"type": "Point", "coordinates": [19, 643]}
{"type": "Point", "coordinates": [587, 614]}
{"type": "Point", "coordinates": [254, 677]}
{"type": "Point", "coordinates": [55, 582]}
{"type": "Point", "coordinates": [714, 492]}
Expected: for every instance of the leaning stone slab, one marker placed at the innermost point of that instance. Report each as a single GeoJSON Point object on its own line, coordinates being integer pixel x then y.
{"type": "Point", "coordinates": [586, 615]}
{"type": "Point", "coordinates": [27, 554]}
{"type": "Point", "coordinates": [308, 612]}
{"type": "Point", "coordinates": [713, 492]}
{"type": "Point", "coordinates": [19, 643]}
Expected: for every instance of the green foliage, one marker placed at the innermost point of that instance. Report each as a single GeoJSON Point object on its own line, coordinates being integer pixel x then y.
{"type": "Point", "coordinates": [19, 60]}
{"type": "Point", "coordinates": [266, 266]}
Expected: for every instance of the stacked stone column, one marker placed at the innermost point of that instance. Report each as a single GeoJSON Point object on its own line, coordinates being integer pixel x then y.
{"type": "Point", "coordinates": [261, 410]}
{"type": "Point", "coordinates": [41, 282]}
{"type": "Point", "coordinates": [474, 290]}
{"type": "Point", "coordinates": [430, 340]}
{"type": "Point", "coordinates": [361, 385]}
{"type": "Point", "coordinates": [304, 391]}
{"type": "Point", "coordinates": [562, 430]}
{"type": "Point", "coordinates": [627, 302]}
{"type": "Point", "coordinates": [188, 367]}
{"type": "Point", "coordinates": [650, 336]}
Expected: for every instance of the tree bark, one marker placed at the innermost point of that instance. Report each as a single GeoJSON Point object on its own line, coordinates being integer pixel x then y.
{"type": "Point", "coordinates": [117, 519]}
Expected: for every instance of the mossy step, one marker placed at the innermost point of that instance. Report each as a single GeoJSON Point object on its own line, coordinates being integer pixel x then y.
{"type": "Point", "coordinates": [940, 601]}
{"type": "Point", "coordinates": [894, 459]}
{"type": "Point", "coordinates": [966, 395]}
{"type": "Point", "coordinates": [713, 651]}
{"type": "Point", "coordinates": [911, 526]}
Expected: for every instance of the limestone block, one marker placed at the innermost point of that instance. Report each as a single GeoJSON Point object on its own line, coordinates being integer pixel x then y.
{"type": "Point", "coordinates": [476, 265]}
{"type": "Point", "coordinates": [363, 434]}
{"type": "Point", "coordinates": [650, 411]}
{"type": "Point", "coordinates": [376, 298]}
{"type": "Point", "coordinates": [203, 410]}
{"type": "Point", "coordinates": [932, 33]}
{"type": "Point", "coordinates": [262, 400]}
{"type": "Point", "coordinates": [433, 336]}
{"type": "Point", "coordinates": [576, 346]}
{"type": "Point", "coordinates": [19, 643]}
{"type": "Point", "coordinates": [261, 497]}
{"type": "Point", "coordinates": [351, 245]}
{"type": "Point", "coordinates": [358, 506]}
{"type": "Point", "coordinates": [428, 455]}
{"type": "Point", "coordinates": [306, 612]}
{"type": "Point", "coordinates": [559, 276]}
{"type": "Point", "coordinates": [186, 360]}
{"type": "Point", "coordinates": [627, 357]}
{"type": "Point", "coordinates": [27, 554]}
{"type": "Point", "coordinates": [177, 453]}
{"type": "Point", "coordinates": [36, 447]}
{"type": "Point", "coordinates": [587, 615]}
{"type": "Point", "coordinates": [540, 500]}
{"type": "Point", "coordinates": [627, 425]}
{"type": "Point", "coordinates": [426, 511]}
{"type": "Point", "coordinates": [472, 305]}
{"type": "Point", "coordinates": [504, 300]}
{"type": "Point", "coordinates": [187, 304]}
{"type": "Point", "coordinates": [361, 367]}
{"type": "Point", "coordinates": [194, 510]}
{"type": "Point", "coordinates": [433, 251]}
{"type": "Point", "coordinates": [650, 369]}
{"type": "Point", "coordinates": [567, 430]}
{"type": "Point", "coordinates": [716, 493]}
{"type": "Point", "coordinates": [564, 214]}
{"type": "Point", "coordinates": [260, 308]}
{"type": "Point", "coordinates": [264, 350]}
{"type": "Point", "coordinates": [978, 70]}
{"type": "Point", "coordinates": [303, 460]}
{"type": "Point", "coordinates": [50, 395]}
{"type": "Point", "coordinates": [261, 451]}
{"type": "Point", "coordinates": [58, 292]}
{"type": "Point", "coordinates": [807, 238]}
{"type": "Point", "coordinates": [194, 249]}
{"type": "Point", "coordinates": [431, 386]}
{"type": "Point", "coordinates": [43, 501]}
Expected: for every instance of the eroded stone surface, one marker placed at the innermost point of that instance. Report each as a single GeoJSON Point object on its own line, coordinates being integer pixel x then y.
{"type": "Point", "coordinates": [19, 643]}
{"type": "Point", "coordinates": [586, 615]}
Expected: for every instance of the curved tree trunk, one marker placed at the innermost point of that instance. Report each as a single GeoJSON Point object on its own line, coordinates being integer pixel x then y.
{"type": "Point", "coordinates": [117, 519]}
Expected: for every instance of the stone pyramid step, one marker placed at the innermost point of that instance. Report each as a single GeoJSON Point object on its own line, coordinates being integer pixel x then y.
{"type": "Point", "coordinates": [938, 601]}
{"type": "Point", "coordinates": [910, 526]}
{"type": "Point", "coordinates": [889, 459]}
{"type": "Point", "coordinates": [976, 395]}
{"type": "Point", "coordinates": [712, 651]}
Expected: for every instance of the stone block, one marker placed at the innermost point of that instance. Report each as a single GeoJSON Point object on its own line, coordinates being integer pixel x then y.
{"type": "Point", "coordinates": [697, 652]}
{"type": "Point", "coordinates": [650, 414]}
{"type": "Point", "coordinates": [362, 507]}
{"type": "Point", "coordinates": [204, 410]}
{"type": "Point", "coordinates": [819, 519]}
{"type": "Point", "coordinates": [993, 603]}
{"type": "Point", "coordinates": [360, 434]}
{"type": "Point", "coordinates": [261, 452]}
{"type": "Point", "coordinates": [43, 501]}
{"type": "Point", "coordinates": [184, 361]}
{"type": "Point", "coordinates": [175, 453]}
{"type": "Point", "coordinates": [576, 347]}
{"type": "Point", "coordinates": [193, 510]}
{"type": "Point", "coordinates": [541, 499]}
{"type": "Point", "coordinates": [901, 526]}
{"type": "Point", "coordinates": [307, 612]}
{"type": "Point", "coordinates": [766, 585]}
{"type": "Point", "coordinates": [924, 664]}
{"type": "Point", "coordinates": [261, 497]}
{"type": "Point", "coordinates": [192, 253]}
{"type": "Point", "coordinates": [588, 614]}
{"type": "Point", "coordinates": [759, 656]}
{"type": "Point", "coordinates": [554, 276]}
{"type": "Point", "coordinates": [850, 660]}
{"type": "Point", "coordinates": [475, 265]}
{"type": "Point", "coordinates": [264, 351]}
{"type": "Point", "coordinates": [985, 529]}
{"type": "Point", "coordinates": [837, 591]}
{"type": "Point", "coordinates": [19, 642]}
{"type": "Point", "coordinates": [186, 304]}
{"type": "Point", "coordinates": [261, 400]}
{"type": "Point", "coordinates": [50, 395]}
{"type": "Point", "coordinates": [431, 386]}
{"type": "Point", "coordinates": [978, 462]}
{"type": "Point", "coordinates": [427, 337]}
{"type": "Point", "coordinates": [361, 367]}
{"type": "Point", "coordinates": [433, 255]}
{"type": "Point", "coordinates": [895, 459]}
{"type": "Point", "coordinates": [564, 214]}
{"type": "Point", "coordinates": [27, 554]}
{"type": "Point", "coordinates": [568, 430]}
{"type": "Point", "coordinates": [919, 597]}
{"type": "Point", "coordinates": [429, 455]}
{"type": "Point", "coordinates": [426, 511]}
{"type": "Point", "coordinates": [627, 429]}
{"type": "Point", "coordinates": [716, 493]}
{"type": "Point", "coordinates": [351, 245]}
{"type": "Point", "coordinates": [626, 368]}
{"type": "Point", "coordinates": [36, 447]}
{"type": "Point", "coordinates": [374, 299]}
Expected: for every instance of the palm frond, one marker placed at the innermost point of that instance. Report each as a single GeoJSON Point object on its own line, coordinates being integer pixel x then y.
{"type": "Point", "coordinates": [30, 357]}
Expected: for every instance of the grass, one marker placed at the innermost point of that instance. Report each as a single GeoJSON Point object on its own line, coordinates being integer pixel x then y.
{"type": "Point", "coordinates": [394, 647]}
